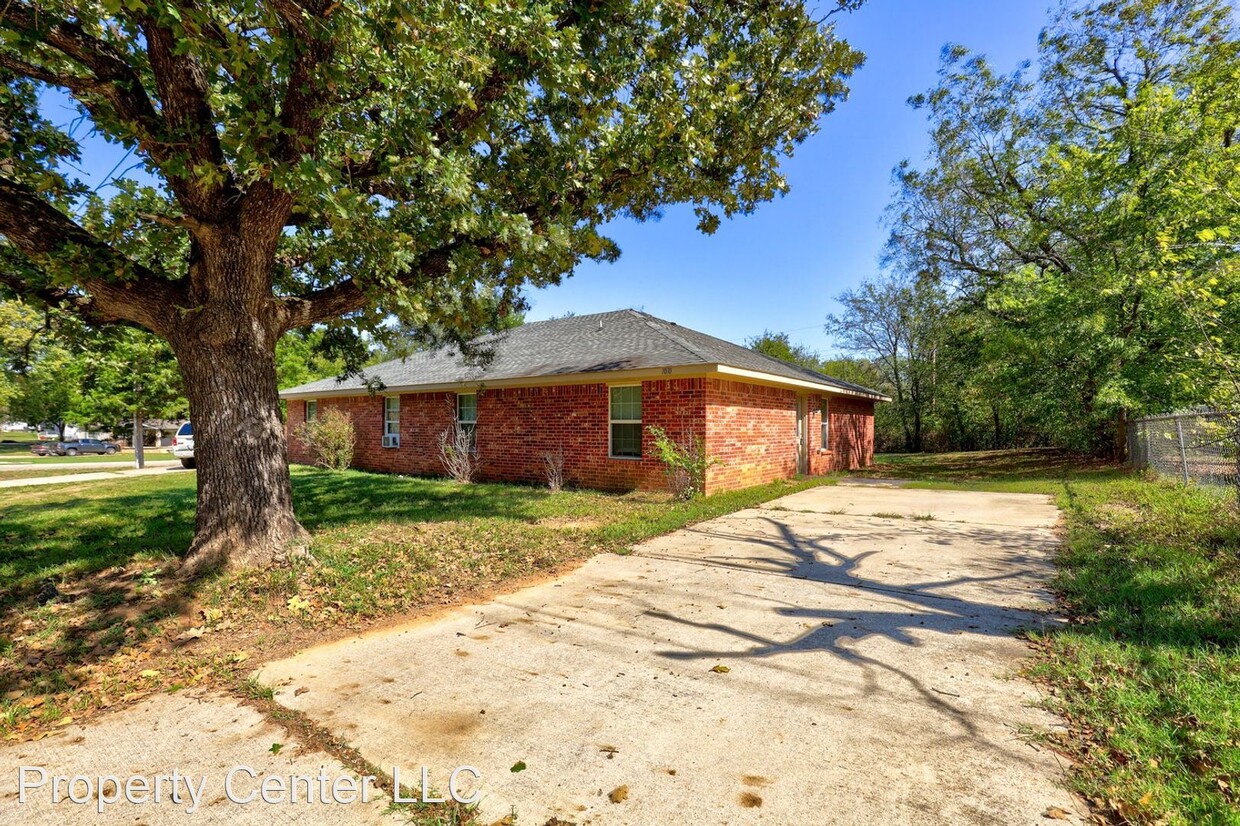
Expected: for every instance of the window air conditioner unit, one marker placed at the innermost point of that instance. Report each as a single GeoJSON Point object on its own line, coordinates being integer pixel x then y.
{"type": "Point", "coordinates": [391, 440]}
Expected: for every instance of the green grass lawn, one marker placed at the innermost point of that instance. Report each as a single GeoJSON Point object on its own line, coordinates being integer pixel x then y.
{"type": "Point", "coordinates": [1147, 672]}
{"type": "Point", "coordinates": [384, 546]}
{"type": "Point", "coordinates": [1007, 471]}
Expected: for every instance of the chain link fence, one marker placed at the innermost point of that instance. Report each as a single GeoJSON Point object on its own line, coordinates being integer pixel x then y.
{"type": "Point", "coordinates": [1201, 446]}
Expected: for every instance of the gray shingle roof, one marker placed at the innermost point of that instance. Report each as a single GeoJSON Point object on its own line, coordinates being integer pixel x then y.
{"type": "Point", "coordinates": [603, 342]}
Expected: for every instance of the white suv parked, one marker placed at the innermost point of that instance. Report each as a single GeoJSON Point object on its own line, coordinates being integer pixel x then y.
{"type": "Point", "coordinates": [183, 444]}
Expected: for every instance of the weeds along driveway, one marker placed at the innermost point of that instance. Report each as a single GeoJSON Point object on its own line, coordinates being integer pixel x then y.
{"type": "Point", "coordinates": [841, 655]}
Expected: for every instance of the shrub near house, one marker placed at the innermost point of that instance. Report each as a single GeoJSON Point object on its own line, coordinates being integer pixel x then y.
{"type": "Point", "coordinates": [590, 388]}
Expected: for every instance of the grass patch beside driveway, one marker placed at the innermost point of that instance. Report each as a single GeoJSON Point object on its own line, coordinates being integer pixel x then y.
{"type": "Point", "coordinates": [1147, 672]}
{"type": "Point", "coordinates": [91, 614]}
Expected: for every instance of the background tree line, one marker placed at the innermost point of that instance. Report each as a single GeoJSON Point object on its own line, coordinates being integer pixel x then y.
{"type": "Point", "coordinates": [1065, 258]}
{"type": "Point", "coordinates": [55, 371]}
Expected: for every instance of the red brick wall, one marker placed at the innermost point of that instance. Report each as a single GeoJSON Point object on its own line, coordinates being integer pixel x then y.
{"type": "Point", "coordinates": [516, 427]}
{"type": "Point", "coordinates": [851, 434]}
{"type": "Point", "coordinates": [423, 416]}
{"type": "Point", "coordinates": [749, 428]}
{"type": "Point", "coordinates": [751, 432]}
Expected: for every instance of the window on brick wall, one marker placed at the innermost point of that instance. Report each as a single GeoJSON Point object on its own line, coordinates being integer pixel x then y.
{"type": "Point", "coordinates": [312, 410]}
{"type": "Point", "coordinates": [826, 425]}
{"type": "Point", "coordinates": [626, 422]}
{"type": "Point", "coordinates": [467, 417]}
{"type": "Point", "coordinates": [391, 421]}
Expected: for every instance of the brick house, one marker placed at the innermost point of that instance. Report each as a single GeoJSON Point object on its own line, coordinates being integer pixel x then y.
{"type": "Point", "coordinates": [589, 387]}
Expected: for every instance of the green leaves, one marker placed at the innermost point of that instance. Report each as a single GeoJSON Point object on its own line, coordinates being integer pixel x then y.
{"type": "Point", "coordinates": [1086, 213]}
{"type": "Point", "coordinates": [508, 133]}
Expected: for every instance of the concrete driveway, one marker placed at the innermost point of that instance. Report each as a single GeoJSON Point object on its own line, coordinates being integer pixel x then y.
{"type": "Point", "coordinates": [842, 655]}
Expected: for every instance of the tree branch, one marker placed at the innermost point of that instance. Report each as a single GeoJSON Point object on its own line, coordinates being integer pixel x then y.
{"type": "Point", "coordinates": [45, 235]}
{"type": "Point", "coordinates": [112, 78]}
{"type": "Point", "coordinates": [300, 111]}
{"type": "Point", "coordinates": [74, 83]}
{"type": "Point", "coordinates": [184, 90]}
{"type": "Point", "coordinates": [349, 296]}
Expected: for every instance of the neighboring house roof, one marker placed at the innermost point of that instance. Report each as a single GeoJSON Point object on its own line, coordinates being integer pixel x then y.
{"type": "Point", "coordinates": [581, 348]}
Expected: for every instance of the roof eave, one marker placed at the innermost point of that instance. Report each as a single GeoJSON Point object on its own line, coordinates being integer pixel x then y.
{"type": "Point", "coordinates": [800, 384]}
{"type": "Point", "coordinates": [681, 371]}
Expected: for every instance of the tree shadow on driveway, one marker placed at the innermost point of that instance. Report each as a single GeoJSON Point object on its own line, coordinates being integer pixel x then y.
{"type": "Point", "coordinates": [909, 613]}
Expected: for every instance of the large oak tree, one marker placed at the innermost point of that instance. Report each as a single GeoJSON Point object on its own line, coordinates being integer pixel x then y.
{"type": "Point", "coordinates": [338, 162]}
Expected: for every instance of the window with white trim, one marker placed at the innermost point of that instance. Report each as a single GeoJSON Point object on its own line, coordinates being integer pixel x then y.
{"type": "Point", "coordinates": [391, 421]}
{"type": "Point", "coordinates": [826, 425]}
{"type": "Point", "coordinates": [467, 417]}
{"type": "Point", "coordinates": [312, 410]}
{"type": "Point", "coordinates": [626, 422]}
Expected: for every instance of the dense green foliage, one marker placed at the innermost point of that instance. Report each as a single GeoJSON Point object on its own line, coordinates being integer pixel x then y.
{"type": "Point", "coordinates": [57, 371]}
{"type": "Point", "coordinates": [126, 372]}
{"type": "Point", "coordinates": [427, 157]}
{"type": "Point", "coordinates": [1066, 256]}
{"type": "Point", "coordinates": [331, 438]}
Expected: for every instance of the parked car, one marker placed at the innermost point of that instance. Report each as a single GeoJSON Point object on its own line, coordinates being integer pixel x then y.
{"type": "Point", "coordinates": [73, 448]}
{"type": "Point", "coordinates": [40, 449]}
{"type": "Point", "coordinates": [183, 444]}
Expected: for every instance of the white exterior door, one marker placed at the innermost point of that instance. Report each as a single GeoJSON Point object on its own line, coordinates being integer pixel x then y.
{"type": "Point", "coordinates": [802, 436]}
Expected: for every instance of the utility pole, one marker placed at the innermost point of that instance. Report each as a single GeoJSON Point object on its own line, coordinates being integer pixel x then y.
{"type": "Point", "coordinates": [139, 430]}
{"type": "Point", "coordinates": [139, 456]}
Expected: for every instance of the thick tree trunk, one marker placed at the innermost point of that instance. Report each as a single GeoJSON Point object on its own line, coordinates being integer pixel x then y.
{"type": "Point", "coordinates": [917, 440]}
{"type": "Point", "coordinates": [245, 507]}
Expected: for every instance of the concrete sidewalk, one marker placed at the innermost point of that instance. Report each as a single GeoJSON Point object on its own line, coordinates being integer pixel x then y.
{"type": "Point", "coordinates": [843, 655]}
{"type": "Point", "coordinates": [94, 476]}
{"type": "Point", "coordinates": [204, 738]}
{"type": "Point", "coordinates": [113, 464]}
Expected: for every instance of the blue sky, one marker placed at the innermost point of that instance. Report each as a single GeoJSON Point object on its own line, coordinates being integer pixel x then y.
{"type": "Point", "coordinates": [782, 267]}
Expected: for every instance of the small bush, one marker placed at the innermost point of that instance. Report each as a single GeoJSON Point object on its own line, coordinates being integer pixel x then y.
{"type": "Point", "coordinates": [684, 463]}
{"type": "Point", "coordinates": [330, 438]}
{"type": "Point", "coordinates": [456, 451]}
{"type": "Point", "coordinates": [553, 465]}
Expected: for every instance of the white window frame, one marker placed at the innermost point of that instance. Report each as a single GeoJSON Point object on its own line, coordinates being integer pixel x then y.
{"type": "Point", "coordinates": [391, 427]}
{"type": "Point", "coordinates": [824, 410]}
{"type": "Point", "coordinates": [611, 453]}
{"type": "Point", "coordinates": [470, 424]}
{"type": "Point", "coordinates": [312, 410]}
